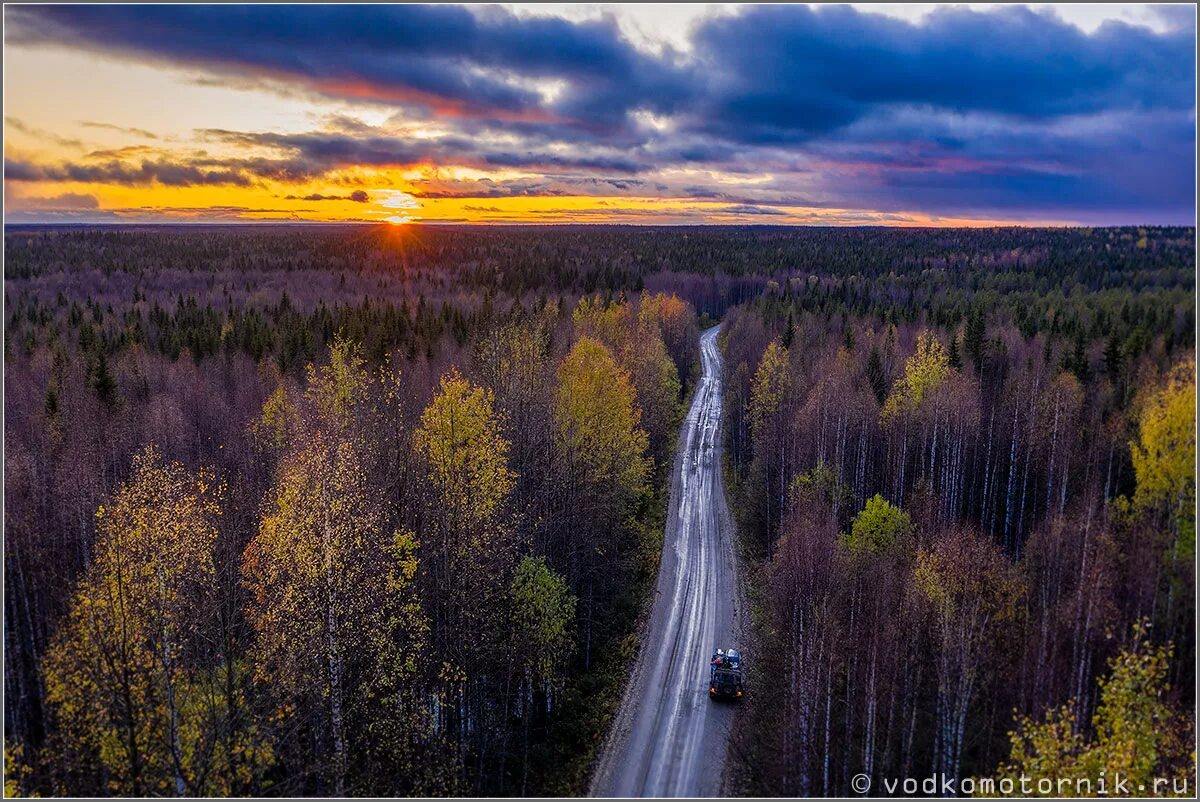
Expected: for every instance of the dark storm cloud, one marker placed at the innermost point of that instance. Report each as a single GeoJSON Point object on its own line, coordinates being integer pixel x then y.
{"type": "Point", "coordinates": [176, 174]}
{"type": "Point", "coordinates": [449, 59]}
{"type": "Point", "coordinates": [1133, 160]}
{"type": "Point", "coordinates": [74, 208]}
{"type": "Point", "coordinates": [1006, 109]}
{"type": "Point", "coordinates": [322, 151]}
{"type": "Point", "coordinates": [782, 71]}
{"type": "Point", "coordinates": [784, 74]}
{"type": "Point", "coordinates": [530, 159]}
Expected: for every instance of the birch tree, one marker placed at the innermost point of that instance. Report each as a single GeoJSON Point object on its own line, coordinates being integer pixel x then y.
{"type": "Point", "coordinates": [132, 677]}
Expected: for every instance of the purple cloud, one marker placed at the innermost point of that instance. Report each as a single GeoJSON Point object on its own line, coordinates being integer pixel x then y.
{"type": "Point", "coordinates": [1002, 111]}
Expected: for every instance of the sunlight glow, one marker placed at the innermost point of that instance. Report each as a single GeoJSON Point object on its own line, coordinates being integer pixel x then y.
{"type": "Point", "coordinates": [395, 199]}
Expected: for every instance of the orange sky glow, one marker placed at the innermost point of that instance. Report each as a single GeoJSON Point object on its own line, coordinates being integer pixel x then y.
{"type": "Point", "coordinates": [100, 128]}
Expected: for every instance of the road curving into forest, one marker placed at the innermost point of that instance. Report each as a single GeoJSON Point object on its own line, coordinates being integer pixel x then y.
{"type": "Point", "coordinates": [668, 738]}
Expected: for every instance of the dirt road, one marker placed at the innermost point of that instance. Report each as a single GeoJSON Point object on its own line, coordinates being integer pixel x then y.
{"type": "Point", "coordinates": [668, 738]}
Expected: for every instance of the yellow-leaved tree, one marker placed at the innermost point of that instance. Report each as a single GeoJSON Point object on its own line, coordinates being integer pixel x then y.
{"type": "Point", "coordinates": [597, 418]}
{"type": "Point", "coordinates": [543, 617]}
{"type": "Point", "coordinates": [601, 448]}
{"type": "Point", "coordinates": [974, 598]}
{"type": "Point", "coordinates": [140, 694]}
{"type": "Point", "coordinates": [878, 527]}
{"type": "Point", "coordinates": [924, 372]}
{"type": "Point", "coordinates": [469, 546]}
{"type": "Point", "coordinates": [772, 381]}
{"type": "Point", "coordinates": [1164, 455]}
{"type": "Point", "coordinates": [331, 588]}
{"type": "Point", "coordinates": [676, 321]}
{"type": "Point", "coordinates": [606, 322]}
{"type": "Point", "coordinates": [769, 436]}
{"type": "Point", "coordinates": [309, 575]}
{"type": "Point", "coordinates": [1138, 737]}
{"type": "Point", "coordinates": [638, 344]}
{"type": "Point", "coordinates": [656, 381]}
{"type": "Point", "coordinates": [460, 438]}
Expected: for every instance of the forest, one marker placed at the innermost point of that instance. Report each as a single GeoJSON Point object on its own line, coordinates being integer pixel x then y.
{"type": "Point", "coordinates": [309, 546]}
{"type": "Point", "coordinates": [970, 532]}
{"type": "Point", "coordinates": [374, 510]}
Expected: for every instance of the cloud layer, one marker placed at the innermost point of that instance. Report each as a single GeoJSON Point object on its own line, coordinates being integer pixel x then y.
{"type": "Point", "coordinates": [1006, 111]}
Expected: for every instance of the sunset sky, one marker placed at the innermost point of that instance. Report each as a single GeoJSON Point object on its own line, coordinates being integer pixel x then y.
{"type": "Point", "coordinates": [719, 114]}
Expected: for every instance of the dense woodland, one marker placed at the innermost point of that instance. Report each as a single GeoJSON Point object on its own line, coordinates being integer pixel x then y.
{"type": "Point", "coordinates": [278, 529]}
{"type": "Point", "coordinates": [374, 510]}
{"type": "Point", "coordinates": [970, 530]}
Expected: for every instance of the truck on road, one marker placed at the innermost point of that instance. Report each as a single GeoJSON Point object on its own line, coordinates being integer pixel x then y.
{"type": "Point", "coordinates": [725, 675]}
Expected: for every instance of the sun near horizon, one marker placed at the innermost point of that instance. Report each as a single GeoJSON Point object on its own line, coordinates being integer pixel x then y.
{"type": "Point", "coordinates": [556, 114]}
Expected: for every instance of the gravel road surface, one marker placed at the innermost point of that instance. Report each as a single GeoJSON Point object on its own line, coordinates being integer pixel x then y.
{"type": "Point", "coordinates": [669, 739]}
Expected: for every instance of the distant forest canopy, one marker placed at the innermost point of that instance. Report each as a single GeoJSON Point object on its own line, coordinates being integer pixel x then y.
{"type": "Point", "coordinates": [904, 272]}
{"type": "Point", "coordinates": [230, 374]}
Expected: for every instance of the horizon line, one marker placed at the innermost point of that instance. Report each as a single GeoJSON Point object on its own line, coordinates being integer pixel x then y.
{"type": "Point", "coordinates": [580, 224]}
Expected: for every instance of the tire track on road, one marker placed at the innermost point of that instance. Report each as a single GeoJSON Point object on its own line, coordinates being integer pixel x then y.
{"type": "Point", "coordinates": [668, 739]}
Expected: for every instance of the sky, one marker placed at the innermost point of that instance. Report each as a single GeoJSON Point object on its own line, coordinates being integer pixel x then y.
{"type": "Point", "coordinates": [872, 114]}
